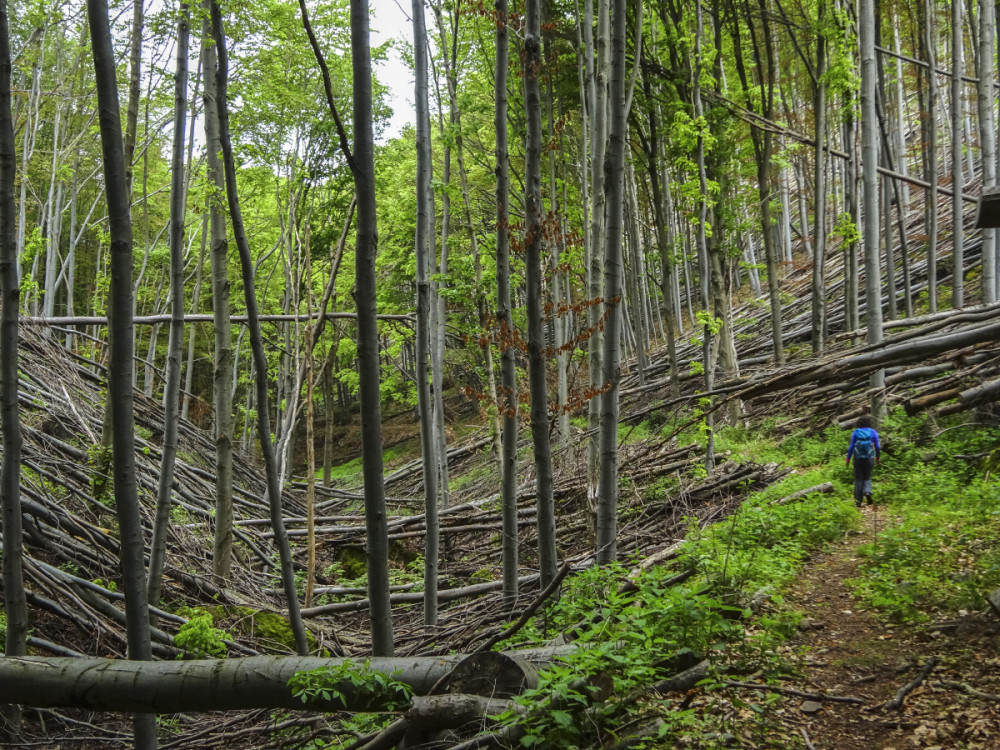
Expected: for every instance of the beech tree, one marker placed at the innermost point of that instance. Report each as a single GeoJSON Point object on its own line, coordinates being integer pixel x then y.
{"type": "Point", "coordinates": [222, 355]}
{"type": "Point", "coordinates": [172, 389]}
{"type": "Point", "coordinates": [363, 169]}
{"type": "Point", "coordinates": [253, 324]}
{"type": "Point", "coordinates": [120, 399]}
{"type": "Point", "coordinates": [614, 172]}
{"type": "Point", "coordinates": [534, 213]}
{"type": "Point", "coordinates": [505, 321]}
{"type": "Point", "coordinates": [425, 226]}
{"type": "Point", "coordinates": [869, 174]}
{"type": "Point", "coordinates": [14, 600]}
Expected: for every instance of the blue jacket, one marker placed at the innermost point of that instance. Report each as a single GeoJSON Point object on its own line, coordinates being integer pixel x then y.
{"type": "Point", "coordinates": [864, 431]}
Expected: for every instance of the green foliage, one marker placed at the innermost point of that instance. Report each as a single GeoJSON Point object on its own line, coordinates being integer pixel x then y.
{"type": "Point", "coordinates": [99, 459]}
{"type": "Point", "coordinates": [623, 636]}
{"type": "Point", "coordinates": [847, 230]}
{"type": "Point", "coordinates": [941, 555]}
{"type": "Point", "coordinates": [200, 639]}
{"type": "Point", "coordinates": [762, 544]}
{"type": "Point", "coordinates": [371, 688]}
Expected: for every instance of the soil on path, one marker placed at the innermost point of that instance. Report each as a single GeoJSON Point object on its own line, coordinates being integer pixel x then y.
{"type": "Point", "coordinates": [851, 652]}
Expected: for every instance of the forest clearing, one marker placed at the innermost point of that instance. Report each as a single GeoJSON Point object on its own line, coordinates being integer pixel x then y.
{"type": "Point", "coordinates": [525, 426]}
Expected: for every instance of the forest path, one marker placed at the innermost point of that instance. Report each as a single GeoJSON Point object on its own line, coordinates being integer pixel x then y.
{"type": "Point", "coordinates": [851, 652]}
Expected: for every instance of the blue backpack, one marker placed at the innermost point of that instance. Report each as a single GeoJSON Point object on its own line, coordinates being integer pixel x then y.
{"type": "Point", "coordinates": [864, 443]}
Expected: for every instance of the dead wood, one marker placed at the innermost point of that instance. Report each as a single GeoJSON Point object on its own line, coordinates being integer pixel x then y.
{"type": "Point", "coordinates": [684, 680]}
{"type": "Point", "coordinates": [897, 701]}
{"type": "Point", "coordinates": [967, 689]}
{"type": "Point", "coordinates": [547, 592]}
{"type": "Point", "coordinates": [826, 487]}
{"type": "Point", "coordinates": [792, 692]}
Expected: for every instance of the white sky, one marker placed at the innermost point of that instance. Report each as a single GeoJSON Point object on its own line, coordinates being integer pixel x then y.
{"type": "Point", "coordinates": [391, 20]}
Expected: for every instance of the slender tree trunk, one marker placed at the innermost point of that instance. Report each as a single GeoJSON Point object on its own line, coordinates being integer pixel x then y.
{"type": "Point", "coordinates": [14, 599]}
{"type": "Point", "coordinates": [533, 241]}
{"type": "Point", "coordinates": [505, 322]}
{"type": "Point", "coordinates": [131, 547]}
{"type": "Point", "coordinates": [630, 267]}
{"type": "Point", "coordinates": [310, 441]}
{"type": "Point", "coordinates": [803, 209]}
{"type": "Point", "coordinates": [957, 175]}
{"type": "Point", "coordinates": [223, 359]}
{"type": "Point", "coordinates": [987, 137]}
{"type": "Point", "coordinates": [186, 397]}
{"type": "Point", "coordinates": [786, 213]}
{"type": "Point", "coordinates": [704, 267]}
{"type": "Point", "coordinates": [363, 167]}
{"type": "Point", "coordinates": [424, 227]}
{"type": "Point", "coordinates": [597, 75]}
{"type": "Point", "coordinates": [869, 172]}
{"type": "Point", "coordinates": [614, 170]}
{"type": "Point", "coordinates": [172, 388]}
{"type": "Point", "coordinates": [256, 341]}
{"type": "Point", "coordinates": [819, 260]}
{"type": "Point", "coordinates": [134, 81]}
{"type": "Point", "coordinates": [931, 133]}
{"type": "Point", "coordinates": [560, 314]}
{"type": "Point", "coordinates": [890, 252]}
{"type": "Point", "coordinates": [852, 208]}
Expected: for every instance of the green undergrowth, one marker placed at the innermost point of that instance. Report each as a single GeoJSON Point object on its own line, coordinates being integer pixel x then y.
{"type": "Point", "coordinates": [349, 472]}
{"type": "Point", "coordinates": [937, 551]}
{"type": "Point", "coordinates": [636, 637]}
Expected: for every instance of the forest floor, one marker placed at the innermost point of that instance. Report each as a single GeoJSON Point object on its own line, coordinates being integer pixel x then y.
{"type": "Point", "coordinates": [844, 650]}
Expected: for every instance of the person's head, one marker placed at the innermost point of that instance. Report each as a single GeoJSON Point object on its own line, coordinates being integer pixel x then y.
{"type": "Point", "coordinates": [864, 421]}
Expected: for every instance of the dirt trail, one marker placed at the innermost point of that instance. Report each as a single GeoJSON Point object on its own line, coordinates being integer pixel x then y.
{"type": "Point", "coordinates": [852, 653]}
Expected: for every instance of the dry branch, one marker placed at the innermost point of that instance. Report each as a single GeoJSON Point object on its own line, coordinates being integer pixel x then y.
{"type": "Point", "coordinates": [897, 701]}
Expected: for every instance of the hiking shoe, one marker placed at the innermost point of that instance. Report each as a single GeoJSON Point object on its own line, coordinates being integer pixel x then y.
{"type": "Point", "coordinates": [868, 497]}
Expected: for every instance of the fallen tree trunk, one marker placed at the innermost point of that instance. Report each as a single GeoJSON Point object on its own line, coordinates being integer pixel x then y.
{"type": "Point", "coordinates": [825, 487]}
{"type": "Point", "coordinates": [194, 686]}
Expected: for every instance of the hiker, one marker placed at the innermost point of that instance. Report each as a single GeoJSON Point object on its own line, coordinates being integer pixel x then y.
{"type": "Point", "coordinates": [866, 451]}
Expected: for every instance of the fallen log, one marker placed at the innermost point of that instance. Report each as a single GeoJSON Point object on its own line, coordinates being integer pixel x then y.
{"type": "Point", "coordinates": [443, 595]}
{"type": "Point", "coordinates": [825, 487]}
{"type": "Point", "coordinates": [194, 686]}
{"type": "Point", "coordinates": [451, 710]}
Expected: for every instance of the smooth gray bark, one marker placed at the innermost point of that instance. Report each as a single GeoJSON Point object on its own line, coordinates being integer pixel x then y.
{"type": "Point", "coordinates": [560, 315]}
{"type": "Point", "coordinates": [505, 322]}
{"type": "Point", "coordinates": [120, 398]}
{"type": "Point", "coordinates": [869, 172]}
{"type": "Point", "coordinates": [223, 358]}
{"type": "Point", "coordinates": [819, 155]}
{"type": "Point", "coordinates": [134, 81]}
{"type": "Point", "coordinates": [172, 387]}
{"type": "Point", "coordinates": [363, 168]}
{"type": "Point", "coordinates": [533, 241]}
{"type": "Point", "coordinates": [598, 110]}
{"type": "Point", "coordinates": [256, 341]}
{"type": "Point", "coordinates": [930, 152]}
{"type": "Point", "coordinates": [14, 599]}
{"type": "Point", "coordinates": [425, 224]}
{"type": "Point", "coordinates": [957, 174]}
{"type": "Point", "coordinates": [200, 685]}
{"type": "Point", "coordinates": [704, 266]}
{"type": "Point", "coordinates": [614, 171]}
{"type": "Point", "coordinates": [986, 99]}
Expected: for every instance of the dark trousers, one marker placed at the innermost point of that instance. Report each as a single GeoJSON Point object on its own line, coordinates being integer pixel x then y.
{"type": "Point", "coordinates": [863, 477]}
